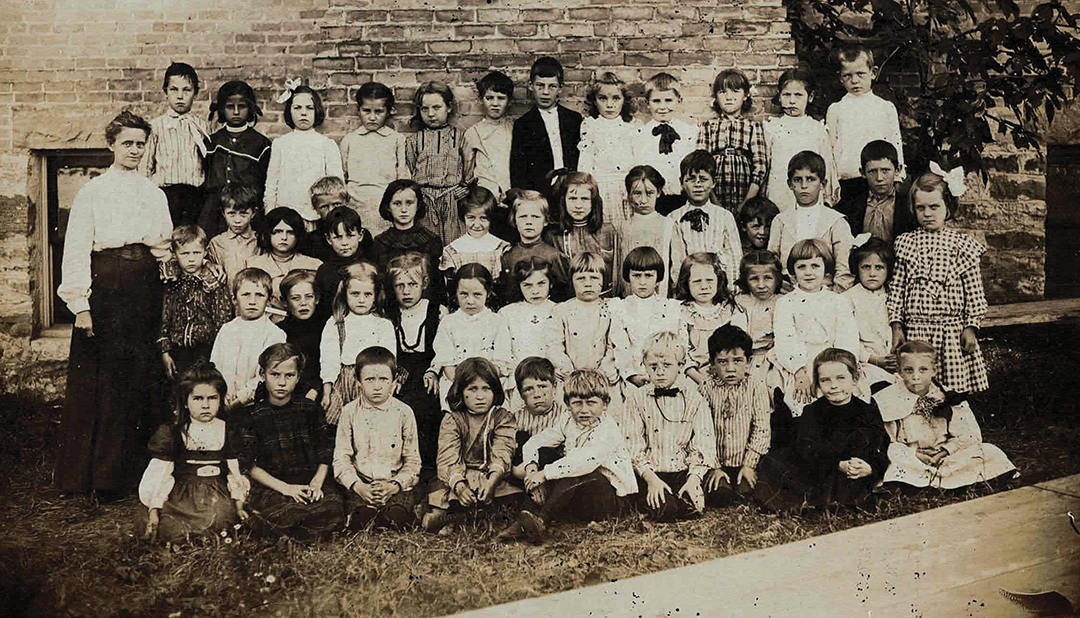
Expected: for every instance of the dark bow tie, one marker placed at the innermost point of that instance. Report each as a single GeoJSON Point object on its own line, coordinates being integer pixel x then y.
{"type": "Point", "coordinates": [666, 392]}
{"type": "Point", "coordinates": [697, 217]}
{"type": "Point", "coordinates": [668, 136]}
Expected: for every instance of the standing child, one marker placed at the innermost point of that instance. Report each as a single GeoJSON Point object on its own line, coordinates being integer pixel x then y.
{"type": "Point", "coordinates": [792, 132]}
{"type": "Point", "coordinates": [355, 325]}
{"type": "Point", "coordinates": [645, 227]}
{"type": "Point", "coordinates": [755, 219]}
{"type": "Point", "coordinates": [545, 138]}
{"type": "Point", "coordinates": [281, 234]}
{"type": "Point", "coordinates": [435, 159]}
{"type": "Point", "coordinates": [302, 156]}
{"type": "Point", "coordinates": [488, 142]}
{"type": "Point", "coordinates": [664, 141]}
{"type": "Point", "coordinates": [303, 328]}
{"type": "Point", "coordinates": [238, 244]}
{"type": "Point", "coordinates": [193, 485]}
{"type": "Point", "coordinates": [476, 444]}
{"type": "Point", "coordinates": [473, 330]}
{"type": "Point", "coordinates": [349, 243]}
{"type": "Point", "coordinates": [404, 207]}
{"type": "Point", "coordinates": [872, 263]}
{"type": "Point", "coordinates": [759, 279]}
{"type": "Point", "coordinates": [416, 323]}
{"type": "Point", "coordinates": [586, 321]}
{"type": "Point", "coordinates": [707, 304]}
{"type": "Point", "coordinates": [288, 449]}
{"type": "Point", "coordinates": [239, 155]}
{"type": "Point", "coordinates": [643, 312]}
{"type": "Point", "coordinates": [177, 146]}
{"type": "Point", "coordinates": [701, 225]}
{"type": "Point", "coordinates": [580, 227]}
{"type": "Point", "coordinates": [477, 245]}
{"type": "Point", "coordinates": [376, 457]}
{"type": "Point", "coordinates": [529, 216]}
{"type": "Point", "coordinates": [936, 441]}
{"type": "Point", "coordinates": [241, 340]}
{"type": "Point", "coordinates": [859, 118]}
{"type": "Point", "coordinates": [882, 210]}
{"type": "Point", "coordinates": [737, 143]}
{"type": "Point", "coordinates": [937, 292]}
{"type": "Point", "coordinates": [195, 305]}
{"type": "Point", "coordinates": [532, 320]}
{"type": "Point", "coordinates": [840, 452]}
{"type": "Point", "coordinates": [605, 133]}
{"type": "Point", "coordinates": [812, 218]}
{"type": "Point", "coordinates": [373, 155]}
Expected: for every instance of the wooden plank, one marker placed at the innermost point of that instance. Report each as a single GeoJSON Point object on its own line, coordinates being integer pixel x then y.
{"type": "Point", "coordinates": [871, 568]}
{"type": "Point", "coordinates": [1066, 485]}
{"type": "Point", "coordinates": [1032, 313]}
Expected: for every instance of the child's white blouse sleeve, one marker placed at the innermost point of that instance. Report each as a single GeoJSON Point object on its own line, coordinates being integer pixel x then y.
{"type": "Point", "coordinates": [273, 175]}
{"type": "Point", "coordinates": [329, 353]}
{"type": "Point", "coordinates": [964, 430]}
{"type": "Point", "coordinates": [333, 159]}
{"type": "Point", "coordinates": [156, 484]}
{"type": "Point", "coordinates": [443, 345]}
{"type": "Point", "coordinates": [789, 348]}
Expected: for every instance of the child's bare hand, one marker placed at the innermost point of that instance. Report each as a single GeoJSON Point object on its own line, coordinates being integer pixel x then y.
{"type": "Point", "coordinates": [693, 492]}
{"type": "Point", "coordinates": [314, 493]}
{"type": "Point", "coordinates": [170, 364]}
{"type": "Point", "coordinates": [898, 337]}
{"type": "Point", "coordinates": [538, 495]}
{"type": "Point", "coordinates": [312, 395]}
{"type": "Point", "coordinates": [535, 479]}
{"type": "Point", "coordinates": [241, 512]}
{"type": "Point", "coordinates": [923, 456]}
{"type": "Point", "coordinates": [460, 192]}
{"type": "Point", "coordinates": [487, 490]}
{"type": "Point", "coordinates": [365, 491]}
{"type": "Point", "coordinates": [85, 322]}
{"type": "Point", "coordinates": [891, 363]}
{"type": "Point", "coordinates": [656, 493]}
{"type": "Point", "coordinates": [748, 474]}
{"type": "Point", "coordinates": [300, 493]}
{"type": "Point", "coordinates": [464, 494]}
{"type": "Point", "coordinates": [450, 372]}
{"type": "Point", "coordinates": [803, 389]}
{"type": "Point", "coordinates": [969, 341]}
{"type": "Point", "coordinates": [431, 382]}
{"type": "Point", "coordinates": [714, 479]}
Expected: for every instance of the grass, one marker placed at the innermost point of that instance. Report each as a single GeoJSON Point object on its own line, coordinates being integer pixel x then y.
{"type": "Point", "coordinates": [74, 558]}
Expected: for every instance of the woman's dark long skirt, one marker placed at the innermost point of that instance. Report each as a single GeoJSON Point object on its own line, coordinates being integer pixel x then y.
{"type": "Point", "coordinates": [112, 375]}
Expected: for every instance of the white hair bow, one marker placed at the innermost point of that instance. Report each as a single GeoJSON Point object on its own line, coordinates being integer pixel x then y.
{"type": "Point", "coordinates": [290, 85]}
{"type": "Point", "coordinates": [954, 178]}
{"type": "Point", "coordinates": [860, 240]}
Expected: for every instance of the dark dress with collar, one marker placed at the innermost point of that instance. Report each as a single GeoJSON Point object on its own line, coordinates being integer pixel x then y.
{"type": "Point", "coordinates": [233, 158]}
{"type": "Point", "coordinates": [425, 406]}
{"type": "Point", "coordinates": [531, 157]}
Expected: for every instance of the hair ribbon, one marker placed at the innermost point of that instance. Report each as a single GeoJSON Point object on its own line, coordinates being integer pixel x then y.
{"type": "Point", "coordinates": [954, 178]}
{"type": "Point", "coordinates": [290, 86]}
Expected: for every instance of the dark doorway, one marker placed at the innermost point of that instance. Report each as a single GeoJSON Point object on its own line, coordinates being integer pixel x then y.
{"type": "Point", "coordinates": [1063, 222]}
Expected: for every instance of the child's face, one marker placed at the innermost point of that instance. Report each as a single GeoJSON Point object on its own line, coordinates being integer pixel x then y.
{"type": "Point", "coordinates": [326, 202]}
{"type": "Point", "coordinates": [579, 202]}
{"type": "Point", "coordinates": [806, 186]}
{"type": "Point", "coordinates": [376, 383]}
{"type": "Point", "coordinates": [930, 210]}
{"type": "Point", "coordinates": [409, 289]}
{"type": "Point", "coordinates": [373, 113]}
{"type": "Point", "coordinates": [643, 197]}
{"type": "Point", "coordinates": [251, 299]}
{"type": "Point", "coordinates": [643, 283]}
{"type": "Point", "coordinates": [283, 240]}
{"type": "Point", "coordinates": [872, 272]}
{"type": "Point", "coordinates": [586, 410]}
{"type": "Point", "coordinates": [857, 76]}
{"type": "Point", "coordinates": [403, 209]}
{"type": "Point", "coordinates": [730, 366]}
{"type": "Point", "coordinates": [471, 296]}
{"type": "Point", "coordinates": [302, 110]}
{"type": "Point", "coordinates": [761, 280]}
{"type": "Point", "coordinates": [529, 220]}
{"type": "Point", "coordinates": [434, 111]}
{"type": "Point", "coordinates": [609, 101]}
{"type": "Point", "coordinates": [539, 395]}
{"type": "Point", "coordinates": [495, 104]}
{"type": "Point", "coordinates": [477, 223]}
{"type": "Point", "coordinates": [809, 274]}
{"type": "Point", "coordinates": [662, 368]}
{"type": "Point", "coordinates": [344, 242]}
{"type": "Point", "coordinates": [281, 380]}
{"type": "Point", "coordinates": [191, 257]}
{"type": "Point", "coordinates": [663, 104]}
{"type": "Point", "coordinates": [730, 100]}
{"type": "Point", "coordinates": [588, 285]}
{"type": "Point", "coordinates": [128, 148]}
{"type": "Point", "coordinates": [238, 219]}
{"type": "Point", "coordinates": [702, 283]}
{"type": "Point", "coordinates": [180, 93]}
{"type": "Point", "coordinates": [697, 186]}
{"type": "Point", "coordinates": [236, 111]}
{"type": "Point", "coordinates": [918, 372]}
{"type": "Point", "coordinates": [756, 232]}
{"type": "Point", "coordinates": [536, 287]}
{"type": "Point", "coordinates": [360, 296]}
{"type": "Point", "coordinates": [794, 98]}
{"type": "Point", "coordinates": [203, 403]}
{"type": "Point", "coordinates": [478, 396]}
{"type": "Point", "coordinates": [836, 382]}
{"type": "Point", "coordinates": [881, 176]}
{"type": "Point", "coordinates": [545, 91]}
{"type": "Point", "coordinates": [302, 300]}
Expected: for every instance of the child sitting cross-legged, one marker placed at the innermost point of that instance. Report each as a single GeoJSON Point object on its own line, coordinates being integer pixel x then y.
{"type": "Point", "coordinates": [594, 478]}
{"type": "Point", "coordinates": [536, 385]}
{"type": "Point", "coordinates": [377, 456]}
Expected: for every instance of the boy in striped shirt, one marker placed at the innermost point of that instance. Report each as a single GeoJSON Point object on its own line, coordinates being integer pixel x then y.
{"type": "Point", "coordinates": [536, 382]}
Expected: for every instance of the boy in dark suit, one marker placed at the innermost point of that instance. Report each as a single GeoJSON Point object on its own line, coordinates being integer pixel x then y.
{"type": "Point", "coordinates": [546, 137]}
{"type": "Point", "coordinates": [881, 210]}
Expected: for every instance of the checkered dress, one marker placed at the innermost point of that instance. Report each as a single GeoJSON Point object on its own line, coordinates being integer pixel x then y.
{"type": "Point", "coordinates": [937, 292]}
{"type": "Point", "coordinates": [741, 157]}
{"type": "Point", "coordinates": [435, 159]}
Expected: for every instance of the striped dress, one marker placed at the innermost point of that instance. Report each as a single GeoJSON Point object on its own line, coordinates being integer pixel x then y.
{"type": "Point", "coordinates": [436, 160]}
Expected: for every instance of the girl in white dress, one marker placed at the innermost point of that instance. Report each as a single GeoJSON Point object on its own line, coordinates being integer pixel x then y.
{"type": "Point", "coordinates": [791, 133]}
{"type": "Point", "coordinates": [606, 132]}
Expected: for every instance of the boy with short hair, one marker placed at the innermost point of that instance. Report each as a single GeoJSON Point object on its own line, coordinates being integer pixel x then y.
{"type": "Point", "coordinates": [859, 118]}
{"type": "Point", "coordinates": [755, 219]}
{"type": "Point", "coordinates": [236, 245]}
{"type": "Point", "coordinates": [528, 217]}
{"type": "Point", "coordinates": [349, 243]}
{"type": "Point", "coordinates": [488, 142]}
{"type": "Point", "coordinates": [670, 432]}
{"type": "Point", "coordinates": [740, 411]}
{"type": "Point", "coordinates": [545, 138]}
{"type": "Point", "coordinates": [811, 218]}
{"type": "Point", "coordinates": [536, 384]}
{"type": "Point", "coordinates": [195, 305]}
{"type": "Point", "coordinates": [665, 141]}
{"type": "Point", "coordinates": [303, 328]}
{"type": "Point", "coordinates": [241, 340]}
{"type": "Point", "coordinates": [373, 155]}
{"type": "Point", "coordinates": [701, 225]}
{"type": "Point", "coordinates": [882, 210]}
{"type": "Point", "coordinates": [328, 194]}
{"type": "Point", "coordinates": [176, 146]}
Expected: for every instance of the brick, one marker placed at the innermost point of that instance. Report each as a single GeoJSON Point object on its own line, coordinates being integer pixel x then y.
{"type": "Point", "coordinates": [359, 48]}
{"type": "Point", "coordinates": [386, 33]}
{"type": "Point", "coordinates": [538, 46]}
{"type": "Point", "coordinates": [653, 59]}
{"type": "Point", "coordinates": [398, 16]}
{"type": "Point", "coordinates": [250, 38]}
{"type": "Point", "coordinates": [542, 15]}
{"type": "Point", "coordinates": [459, 15]}
{"type": "Point", "coordinates": [631, 13]}
{"type": "Point", "coordinates": [498, 46]}
{"type": "Point", "coordinates": [488, 16]}
{"type": "Point", "coordinates": [168, 27]}
{"type": "Point", "coordinates": [371, 64]}
{"type": "Point", "coordinates": [339, 33]}
{"type": "Point", "coordinates": [472, 31]}
{"type": "Point", "coordinates": [517, 30]}
{"type": "Point", "coordinates": [570, 30]}
{"type": "Point", "coordinates": [774, 45]}
{"type": "Point", "coordinates": [581, 45]}
{"type": "Point", "coordinates": [366, 16]}
{"type": "Point", "coordinates": [281, 39]}
{"type": "Point", "coordinates": [723, 43]}
{"type": "Point", "coordinates": [598, 14]}
{"type": "Point", "coordinates": [685, 13]}
{"type": "Point", "coordinates": [718, 15]}
{"type": "Point", "coordinates": [745, 28]}
{"type": "Point", "coordinates": [765, 13]}
{"type": "Point", "coordinates": [449, 47]}
{"type": "Point", "coordinates": [404, 47]}
{"type": "Point", "coordinates": [422, 62]}
{"type": "Point", "coordinates": [639, 44]}
{"type": "Point", "coordinates": [334, 64]}
{"type": "Point", "coordinates": [214, 15]}
{"type": "Point", "coordinates": [313, 14]}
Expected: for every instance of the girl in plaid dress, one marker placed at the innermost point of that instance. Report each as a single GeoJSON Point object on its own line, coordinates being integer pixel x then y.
{"type": "Point", "coordinates": [937, 293]}
{"type": "Point", "coordinates": [738, 143]}
{"type": "Point", "coordinates": [435, 158]}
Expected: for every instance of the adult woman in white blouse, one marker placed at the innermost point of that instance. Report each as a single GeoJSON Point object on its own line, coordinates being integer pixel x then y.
{"type": "Point", "coordinates": [117, 234]}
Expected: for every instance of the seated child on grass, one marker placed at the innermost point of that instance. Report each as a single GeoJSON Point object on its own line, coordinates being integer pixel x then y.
{"type": "Point", "coordinates": [535, 377]}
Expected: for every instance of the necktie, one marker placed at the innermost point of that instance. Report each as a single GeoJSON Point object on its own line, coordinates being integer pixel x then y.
{"type": "Point", "coordinates": [697, 217]}
{"type": "Point", "coordinates": [668, 136]}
